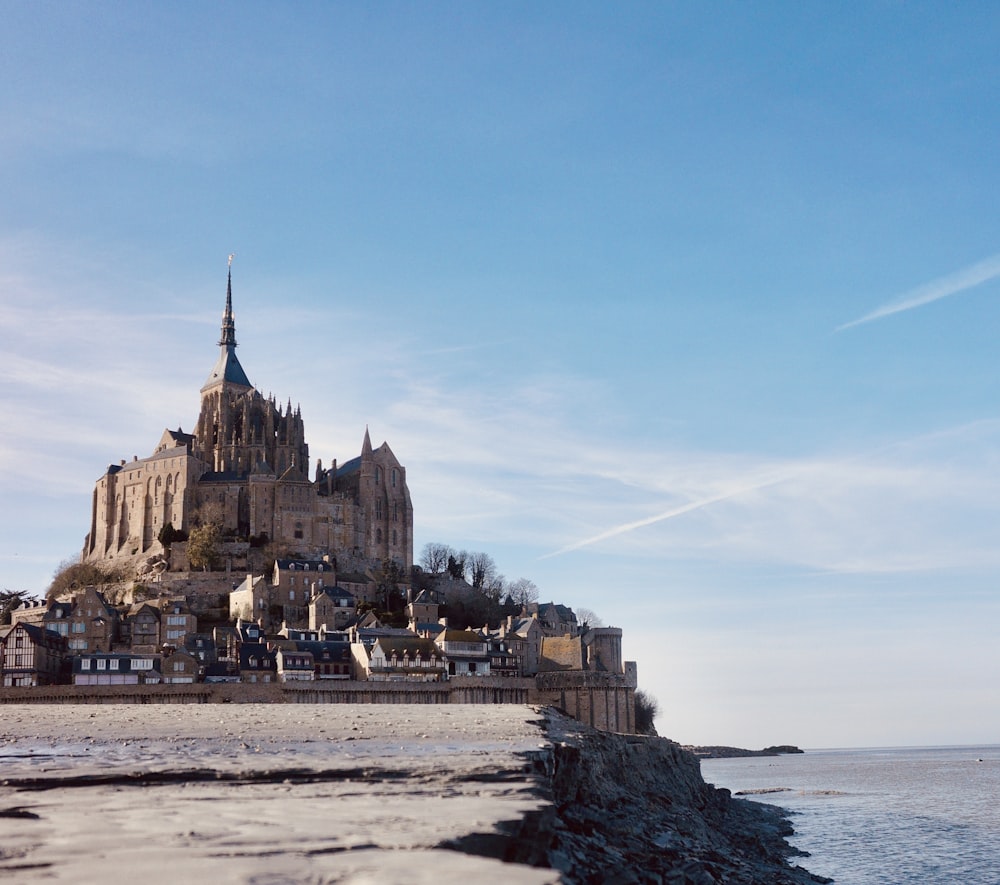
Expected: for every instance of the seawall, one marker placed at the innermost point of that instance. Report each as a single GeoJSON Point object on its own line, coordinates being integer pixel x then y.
{"type": "Point", "coordinates": [602, 701]}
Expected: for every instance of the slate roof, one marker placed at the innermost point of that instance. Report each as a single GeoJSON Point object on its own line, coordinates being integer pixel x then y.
{"type": "Point", "coordinates": [334, 593]}
{"type": "Point", "coordinates": [430, 628]}
{"type": "Point", "coordinates": [220, 476]}
{"type": "Point", "coordinates": [227, 368]}
{"type": "Point", "coordinates": [124, 663]}
{"type": "Point", "coordinates": [293, 474]}
{"type": "Point", "coordinates": [38, 635]}
{"type": "Point", "coordinates": [409, 645]}
{"type": "Point", "coordinates": [259, 652]}
{"type": "Point", "coordinates": [352, 466]}
{"type": "Point", "coordinates": [59, 611]}
{"type": "Point", "coordinates": [336, 652]}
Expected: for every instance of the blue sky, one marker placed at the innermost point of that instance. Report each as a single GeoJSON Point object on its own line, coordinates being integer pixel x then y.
{"type": "Point", "coordinates": [686, 312]}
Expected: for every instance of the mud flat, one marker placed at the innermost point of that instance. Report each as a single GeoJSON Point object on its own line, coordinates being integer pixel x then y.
{"type": "Point", "coordinates": [331, 793]}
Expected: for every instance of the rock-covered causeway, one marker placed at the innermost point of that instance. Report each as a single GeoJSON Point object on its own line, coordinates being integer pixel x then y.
{"type": "Point", "coordinates": [297, 793]}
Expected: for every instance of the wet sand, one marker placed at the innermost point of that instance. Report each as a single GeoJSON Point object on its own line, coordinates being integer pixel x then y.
{"type": "Point", "coordinates": [263, 793]}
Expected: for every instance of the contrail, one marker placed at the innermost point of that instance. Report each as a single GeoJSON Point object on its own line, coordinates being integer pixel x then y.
{"type": "Point", "coordinates": [967, 278]}
{"type": "Point", "coordinates": [660, 517]}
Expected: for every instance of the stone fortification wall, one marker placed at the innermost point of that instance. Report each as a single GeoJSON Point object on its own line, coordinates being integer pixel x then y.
{"type": "Point", "coordinates": [603, 701]}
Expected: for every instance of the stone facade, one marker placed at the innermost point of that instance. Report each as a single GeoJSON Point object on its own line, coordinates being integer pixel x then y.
{"type": "Point", "coordinates": [246, 467]}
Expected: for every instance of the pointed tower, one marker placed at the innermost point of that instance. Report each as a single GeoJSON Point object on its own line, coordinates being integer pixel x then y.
{"type": "Point", "coordinates": [227, 368]}
{"type": "Point", "coordinates": [231, 419]}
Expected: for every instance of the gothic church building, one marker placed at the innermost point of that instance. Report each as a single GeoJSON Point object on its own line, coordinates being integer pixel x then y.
{"type": "Point", "coordinates": [246, 467]}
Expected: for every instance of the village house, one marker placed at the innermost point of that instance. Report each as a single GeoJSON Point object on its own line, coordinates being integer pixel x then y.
{"type": "Point", "coordinates": [423, 616]}
{"type": "Point", "coordinates": [141, 628]}
{"type": "Point", "coordinates": [361, 587]}
{"type": "Point", "coordinates": [57, 616]}
{"type": "Point", "coordinates": [227, 644]}
{"type": "Point", "coordinates": [31, 655]}
{"type": "Point", "coordinates": [180, 667]}
{"type": "Point", "coordinates": [293, 665]}
{"type": "Point", "coordinates": [202, 647]}
{"type": "Point", "coordinates": [332, 607]}
{"type": "Point", "coordinates": [467, 652]}
{"type": "Point", "coordinates": [294, 581]}
{"type": "Point", "coordinates": [30, 611]}
{"type": "Point", "coordinates": [332, 659]}
{"type": "Point", "coordinates": [503, 662]}
{"type": "Point", "coordinates": [400, 659]}
{"type": "Point", "coordinates": [257, 663]}
{"type": "Point", "coordinates": [555, 619]}
{"type": "Point", "coordinates": [523, 638]}
{"type": "Point", "coordinates": [93, 623]}
{"type": "Point", "coordinates": [116, 669]}
{"type": "Point", "coordinates": [250, 600]}
{"type": "Point", "coordinates": [176, 621]}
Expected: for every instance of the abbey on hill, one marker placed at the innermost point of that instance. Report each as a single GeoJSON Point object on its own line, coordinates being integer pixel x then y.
{"type": "Point", "coordinates": [246, 467]}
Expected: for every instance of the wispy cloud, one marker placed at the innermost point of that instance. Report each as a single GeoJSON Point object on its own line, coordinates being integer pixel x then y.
{"type": "Point", "coordinates": [960, 281]}
{"type": "Point", "coordinates": [660, 517]}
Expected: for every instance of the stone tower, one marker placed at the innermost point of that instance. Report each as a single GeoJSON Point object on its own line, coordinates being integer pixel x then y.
{"type": "Point", "coordinates": [240, 432]}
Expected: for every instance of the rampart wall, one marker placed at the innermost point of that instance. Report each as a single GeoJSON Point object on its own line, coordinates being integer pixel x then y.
{"type": "Point", "coordinates": [604, 701]}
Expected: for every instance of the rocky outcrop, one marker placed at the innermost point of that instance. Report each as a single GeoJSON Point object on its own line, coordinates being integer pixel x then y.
{"type": "Point", "coordinates": [738, 752]}
{"type": "Point", "coordinates": [627, 809]}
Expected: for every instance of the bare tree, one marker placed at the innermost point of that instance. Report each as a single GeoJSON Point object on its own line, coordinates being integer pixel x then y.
{"type": "Point", "coordinates": [586, 616]}
{"type": "Point", "coordinates": [209, 513]}
{"type": "Point", "coordinates": [495, 588]}
{"type": "Point", "coordinates": [522, 591]}
{"type": "Point", "coordinates": [434, 557]}
{"type": "Point", "coordinates": [480, 569]}
{"type": "Point", "coordinates": [72, 575]}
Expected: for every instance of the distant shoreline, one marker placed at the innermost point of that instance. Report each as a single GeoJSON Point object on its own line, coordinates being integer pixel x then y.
{"type": "Point", "coordinates": [737, 752]}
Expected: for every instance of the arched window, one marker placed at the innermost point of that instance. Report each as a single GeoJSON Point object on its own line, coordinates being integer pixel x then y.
{"type": "Point", "coordinates": [394, 477]}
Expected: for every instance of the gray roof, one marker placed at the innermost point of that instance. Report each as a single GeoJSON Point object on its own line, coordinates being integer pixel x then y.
{"type": "Point", "coordinates": [351, 466]}
{"type": "Point", "coordinates": [335, 593]}
{"type": "Point", "coordinates": [227, 368]}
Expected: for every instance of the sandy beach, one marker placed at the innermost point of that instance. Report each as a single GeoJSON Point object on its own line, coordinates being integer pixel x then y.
{"type": "Point", "coordinates": [262, 793]}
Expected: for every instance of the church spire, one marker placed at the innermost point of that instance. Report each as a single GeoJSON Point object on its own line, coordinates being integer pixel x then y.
{"type": "Point", "coordinates": [227, 368]}
{"type": "Point", "coordinates": [228, 338]}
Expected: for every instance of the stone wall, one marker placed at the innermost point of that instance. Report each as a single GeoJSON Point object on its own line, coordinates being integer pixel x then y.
{"type": "Point", "coordinates": [601, 700]}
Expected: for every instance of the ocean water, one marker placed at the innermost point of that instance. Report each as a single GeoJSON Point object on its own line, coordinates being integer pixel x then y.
{"type": "Point", "coordinates": [906, 816]}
